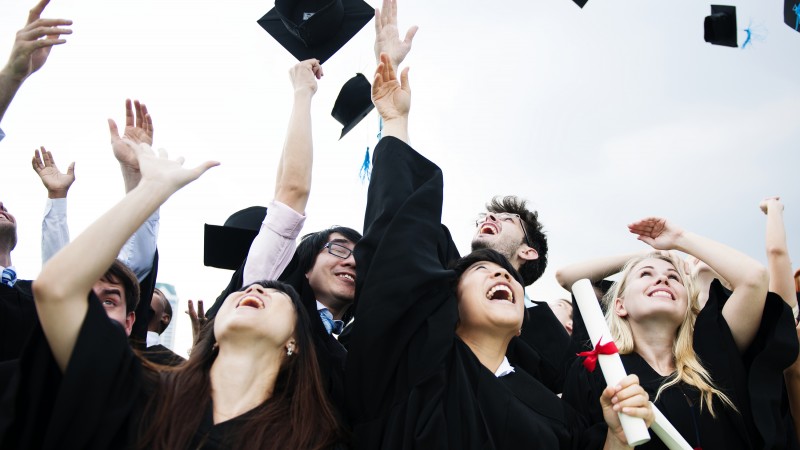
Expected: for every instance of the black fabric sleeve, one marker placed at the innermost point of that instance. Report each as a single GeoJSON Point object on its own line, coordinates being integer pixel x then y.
{"type": "Point", "coordinates": [138, 336]}
{"type": "Point", "coordinates": [92, 405]}
{"type": "Point", "coordinates": [405, 323]}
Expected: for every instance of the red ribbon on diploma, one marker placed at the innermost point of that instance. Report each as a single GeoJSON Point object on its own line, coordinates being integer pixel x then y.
{"type": "Point", "coordinates": [609, 348]}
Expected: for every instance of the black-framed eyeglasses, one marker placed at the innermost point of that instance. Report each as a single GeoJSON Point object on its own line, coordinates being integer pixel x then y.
{"type": "Point", "coordinates": [338, 250]}
{"type": "Point", "coordinates": [503, 217]}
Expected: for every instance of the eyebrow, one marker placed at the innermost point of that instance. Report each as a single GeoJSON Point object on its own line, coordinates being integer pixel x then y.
{"type": "Point", "coordinates": [340, 241]}
{"type": "Point", "coordinates": [111, 291]}
{"type": "Point", "coordinates": [671, 269]}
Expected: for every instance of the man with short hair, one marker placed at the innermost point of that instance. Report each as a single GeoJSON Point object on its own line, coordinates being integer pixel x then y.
{"type": "Point", "coordinates": [160, 318]}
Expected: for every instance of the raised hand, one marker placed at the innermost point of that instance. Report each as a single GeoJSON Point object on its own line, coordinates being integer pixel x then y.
{"type": "Point", "coordinates": [198, 319]}
{"type": "Point", "coordinates": [391, 98]}
{"type": "Point", "coordinates": [304, 75]}
{"type": "Point", "coordinates": [33, 43]}
{"type": "Point", "coordinates": [387, 36]}
{"type": "Point", "coordinates": [57, 183]}
{"type": "Point", "coordinates": [169, 175]}
{"type": "Point", "coordinates": [656, 232]}
{"type": "Point", "coordinates": [773, 203]}
{"type": "Point", "coordinates": [139, 130]}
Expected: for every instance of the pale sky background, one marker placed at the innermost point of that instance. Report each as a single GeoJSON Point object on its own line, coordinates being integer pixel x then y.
{"type": "Point", "coordinates": [599, 117]}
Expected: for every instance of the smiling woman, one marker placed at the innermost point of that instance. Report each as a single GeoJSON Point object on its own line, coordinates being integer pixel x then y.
{"type": "Point", "coordinates": [703, 366]}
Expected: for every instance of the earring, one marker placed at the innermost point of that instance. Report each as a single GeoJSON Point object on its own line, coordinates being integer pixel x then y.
{"type": "Point", "coordinates": [519, 333]}
{"type": "Point", "coordinates": [289, 350]}
{"type": "Point", "coordinates": [215, 347]}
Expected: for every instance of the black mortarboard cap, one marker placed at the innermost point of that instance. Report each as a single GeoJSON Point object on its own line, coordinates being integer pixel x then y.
{"type": "Point", "coordinates": [720, 26]}
{"type": "Point", "coordinates": [580, 3]}
{"type": "Point", "coordinates": [226, 246]}
{"type": "Point", "coordinates": [353, 103]}
{"type": "Point", "coordinates": [315, 28]}
{"type": "Point", "coordinates": [791, 14]}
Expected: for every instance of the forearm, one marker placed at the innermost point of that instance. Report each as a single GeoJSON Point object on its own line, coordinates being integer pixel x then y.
{"type": "Point", "coordinates": [612, 443]}
{"type": "Point", "coordinates": [130, 177]}
{"type": "Point", "coordinates": [397, 128]}
{"type": "Point", "coordinates": [780, 266]}
{"type": "Point", "coordinates": [55, 230]}
{"type": "Point", "coordinates": [594, 269]}
{"type": "Point", "coordinates": [293, 184]}
{"type": "Point", "coordinates": [9, 85]}
{"type": "Point", "coordinates": [139, 250]}
{"type": "Point", "coordinates": [739, 269]}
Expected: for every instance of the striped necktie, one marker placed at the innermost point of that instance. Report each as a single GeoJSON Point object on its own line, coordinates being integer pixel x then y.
{"type": "Point", "coordinates": [9, 277]}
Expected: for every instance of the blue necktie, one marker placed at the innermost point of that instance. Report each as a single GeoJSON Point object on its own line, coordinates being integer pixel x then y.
{"type": "Point", "coordinates": [9, 277]}
{"type": "Point", "coordinates": [331, 325]}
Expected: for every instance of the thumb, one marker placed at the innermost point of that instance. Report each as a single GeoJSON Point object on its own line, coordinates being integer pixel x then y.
{"type": "Point", "coordinates": [404, 80]}
{"type": "Point", "coordinates": [112, 129]}
{"type": "Point", "coordinates": [71, 169]}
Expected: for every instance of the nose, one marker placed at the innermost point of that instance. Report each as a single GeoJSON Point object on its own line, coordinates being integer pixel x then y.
{"type": "Point", "coordinates": [502, 273]}
{"type": "Point", "coordinates": [256, 288]}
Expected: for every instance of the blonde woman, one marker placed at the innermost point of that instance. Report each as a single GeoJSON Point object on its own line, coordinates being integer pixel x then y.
{"type": "Point", "coordinates": [695, 363]}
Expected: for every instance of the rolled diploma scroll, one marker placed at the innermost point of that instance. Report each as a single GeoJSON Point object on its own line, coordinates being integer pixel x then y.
{"type": "Point", "coordinates": [635, 429]}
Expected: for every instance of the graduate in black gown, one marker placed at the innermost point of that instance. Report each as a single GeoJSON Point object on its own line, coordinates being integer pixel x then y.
{"type": "Point", "coordinates": [711, 360]}
{"type": "Point", "coordinates": [251, 382]}
{"type": "Point", "coordinates": [426, 366]}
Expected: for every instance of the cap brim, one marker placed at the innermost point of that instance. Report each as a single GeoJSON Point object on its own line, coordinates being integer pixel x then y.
{"type": "Point", "coordinates": [358, 119]}
{"type": "Point", "coordinates": [356, 14]}
{"type": "Point", "coordinates": [226, 247]}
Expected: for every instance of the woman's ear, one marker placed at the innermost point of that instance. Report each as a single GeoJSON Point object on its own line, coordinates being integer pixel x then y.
{"type": "Point", "coordinates": [619, 308]}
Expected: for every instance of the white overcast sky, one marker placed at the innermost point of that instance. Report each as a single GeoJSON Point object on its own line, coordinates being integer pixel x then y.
{"type": "Point", "coordinates": [598, 116]}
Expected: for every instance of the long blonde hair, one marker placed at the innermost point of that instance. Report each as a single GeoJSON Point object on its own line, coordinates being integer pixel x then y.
{"type": "Point", "coordinates": [688, 367]}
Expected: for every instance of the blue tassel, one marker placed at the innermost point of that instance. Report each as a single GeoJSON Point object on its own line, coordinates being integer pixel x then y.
{"type": "Point", "coordinates": [365, 171]}
{"type": "Point", "coordinates": [749, 35]}
{"type": "Point", "coordinates": [796, 9]}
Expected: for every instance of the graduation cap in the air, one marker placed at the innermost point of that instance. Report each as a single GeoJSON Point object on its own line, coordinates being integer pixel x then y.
{"type": "Point", "coordinates": [226, 246]}
{"type": "Point", "coordinates": [580, 3]}
{"type": "Point", "coordinates": [791, 14]}
{"type": "Point", "coordinates": [315, 28]}
{"type": "Point", "coordinates": [720, 26]}
{"type": "Point", "coordinates": [353, 103]}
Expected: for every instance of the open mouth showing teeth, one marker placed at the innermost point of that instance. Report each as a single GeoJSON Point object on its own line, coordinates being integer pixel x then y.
{"type": "Point", "coordinates": [662, 294]}
{"type": "Point", "coordinates": [347, 277]}
{"type": "Point", "coordinates": [488, 229]}
{"type": "Point", "coordinates": [251, 302]}
{"type": "Point", "coordinates": [500, 292]}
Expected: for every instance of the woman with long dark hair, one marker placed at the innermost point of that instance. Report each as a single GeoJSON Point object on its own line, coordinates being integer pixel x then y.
{"type": "Point", "coordinates": [252, 381]}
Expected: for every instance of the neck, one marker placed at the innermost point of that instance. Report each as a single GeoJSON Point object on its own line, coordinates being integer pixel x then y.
{"type": "Point", "coordinates": [654, 343]}
{"type": "Point", "coordinates": [335, 306]}
{"type": "Point", "coordinates": [242, 377]}
{"type": "Point", "coordinates": [5, 257]}
{"type": "Point", "coordinates": [489, 348]}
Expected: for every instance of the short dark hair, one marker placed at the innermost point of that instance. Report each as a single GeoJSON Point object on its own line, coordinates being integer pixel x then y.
{"type": "Point", "coordinates": [120, 273]}
{"type": "Point", "coordinates": [310, 245]}
{"type": "Point", "coordinates": [530, 270]}
{"type": "Point", "coordinates": [484, 254]}
{"type": "Point", "coordinates": [167, 310]}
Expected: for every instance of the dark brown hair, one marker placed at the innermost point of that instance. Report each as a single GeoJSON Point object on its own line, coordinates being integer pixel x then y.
{"type": "Point", "coordinates": [533, 269]}
{"type": "Point", "coordinates": [298, 415]}
{"type": "Point", "coordinates": [120, 273]}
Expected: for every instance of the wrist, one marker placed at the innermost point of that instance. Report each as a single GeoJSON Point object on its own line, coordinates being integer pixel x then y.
{"type": "Point", "coordinates": [57, 193]}
{"type": "Point", "coordinates": [9, 79]}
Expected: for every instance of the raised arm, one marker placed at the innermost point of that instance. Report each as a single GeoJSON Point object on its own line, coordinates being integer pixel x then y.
{"type": "Point", "coordinates": [781, 281]}
{"type": "Point", "coordinates": [594, 270]}
{"type": "Point", "coordinates": [62, 286]}
{"type": "Point", "coordinates": [272, 248]}
{"type": "Point", "coordinates": [747, 277]}
{"type": "Point", "coordinates": [55, 231]}
{"type": "Point", "coordinates": [30, 51]}
{"type": "Point", "coordinates": [387, 36]}
{"type": "Point", "coordinates": [392, 98]}
{"type": "Point", "coordinates": [139, 250]}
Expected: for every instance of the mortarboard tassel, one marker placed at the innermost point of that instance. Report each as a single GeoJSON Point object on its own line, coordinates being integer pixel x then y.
{"type": "Point", "coordinates": [796, 9]}
{"type": "Point", "coordinates": [365, 168]}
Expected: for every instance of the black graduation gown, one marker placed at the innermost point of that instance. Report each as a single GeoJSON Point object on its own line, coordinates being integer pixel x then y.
{"type": "Point", "coordinates": [97, 403]}
{"type": "Point", "coordinates": [411, 382]}
{"type": "Point", "coordinates": [17, 318]}
{"type": "Point", "coordinates": [751, 380]}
